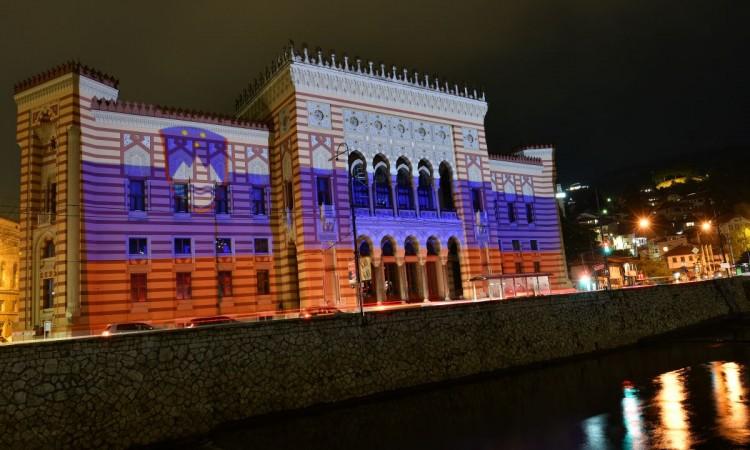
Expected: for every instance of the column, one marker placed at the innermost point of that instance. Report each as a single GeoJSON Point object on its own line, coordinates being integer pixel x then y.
{"type": "Point", "coordinates": [444, 271]}
{"type": "Point", "coordinates": [379, 280]}
{"type": "Point", "coordinates": [402, 288]}
{"type": "Point", "coordinates": [423, 273]}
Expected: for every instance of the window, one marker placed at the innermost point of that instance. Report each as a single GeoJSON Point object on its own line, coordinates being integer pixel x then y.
{"type": "Point", "coordinates": [690, 258]}
{"type": "Point", "coordinates": [403, 190]}
{"type": "Point", "coordinates": [529, 213]}
{"type": "Point", "coordinates": [183, 246]}
{"type": "Point", "coordinates": [138, 287]}
{"type": "Point", "coordinates": [674, 259]}
{"type": "Point", "coordinates": [181, 198]}
{"type": "Point", "coordinates": [519, 267]}
{"type": "Point", "coordinates": [537, 267]}
{"type": "Point", "coordinates": [49, 249]}
{"type": "Point", "coordinates": [264, 283]}
{"type": "Point", "coordinates": [682, 259]}
{"type": "Point", "coordinates": [288, 195]}
{"type": "Point", "coordinates": [500, 244]}
{"type": "Point", "coordinates": [476, 199]}
{"type": "Point", "coordinates": [258, 199]}
{"type": "Point", "coordinates": [138, 246]}
{"type": "Point", "coordinates": [324, 190]}
{"type": "Point", "coordinates": [516, 245]}
{"type": "Point", "coordinates": [446, 188]}
{"type": "Point", "coordinates": [223, 246]}
{"type": "Point", "coordinates": [511, 212]}
{"type": "Point", "coordinates": [137, 195]}
{"type": "Point", "coordinates": [48, 296]}
{"type": "Point", "coordinates": [534, 244]}
{"type": "Point", "coordinates": [52, 198]}
{"type": "Point", "coordinates": [424, 192]}
{"type": "Point", "coordinates": [221, 199]}
{"type": "Point", "coordinates": [382, 188]}
{"type": "Point", "coordinates": [225, 284]}
{"type": "Point", "coordinates": [261, 245]}
{"type": "Point", "coordinates": [183, 290]}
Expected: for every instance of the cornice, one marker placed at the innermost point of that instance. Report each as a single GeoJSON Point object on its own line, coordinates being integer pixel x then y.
{"type": "Point", "coordinates": [353, 86]}
{"type": "Point", "coordinates": [126, 121]}
{"type": "Point", "coordinates": [44, 92]}
{"type": "Point", "coordinates": [516, 167]}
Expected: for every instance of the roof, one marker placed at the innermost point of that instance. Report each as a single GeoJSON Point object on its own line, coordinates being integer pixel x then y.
{"type": "Point", "coordinates": [517, 158]}
{"type": "Point", "coordinates": [362, 67]}
{"type": "Point", "coordinates": [144, 109]}
{"type": "Point", "coordinates": [63, 69]}
{"type": "Point", "coordinates": [681, 250]}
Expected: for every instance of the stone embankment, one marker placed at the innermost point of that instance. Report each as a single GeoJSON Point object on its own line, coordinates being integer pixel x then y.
{"type": "Point", "coordinates": [137, 389]}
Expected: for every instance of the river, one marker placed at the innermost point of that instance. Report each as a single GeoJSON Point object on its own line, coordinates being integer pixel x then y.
{"type": "Point", "coordinates": [681, 392]}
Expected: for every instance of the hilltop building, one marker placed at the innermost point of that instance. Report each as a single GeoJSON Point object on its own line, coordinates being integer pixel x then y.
{"type": "Point", "coordinates": [140, 212]}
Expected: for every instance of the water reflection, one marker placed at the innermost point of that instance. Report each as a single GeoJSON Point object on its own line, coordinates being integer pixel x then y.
{"type": "Point", "coordinates": [731, 410]}
{"type": "Point", "coordinates": [673, 431]}
{"type": "Point", "coordinates": [632, 417]}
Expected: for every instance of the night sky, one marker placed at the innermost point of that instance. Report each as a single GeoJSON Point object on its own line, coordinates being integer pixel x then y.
{"type": "Point", "coordinates": [612, 83]}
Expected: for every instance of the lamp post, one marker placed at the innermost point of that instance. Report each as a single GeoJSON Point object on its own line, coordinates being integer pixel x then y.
{"type": "Point", "coordinates": [352, 212]}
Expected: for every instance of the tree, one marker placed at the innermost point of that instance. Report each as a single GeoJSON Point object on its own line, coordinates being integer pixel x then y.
{"type": "Point", "coordinates": [578, 238]}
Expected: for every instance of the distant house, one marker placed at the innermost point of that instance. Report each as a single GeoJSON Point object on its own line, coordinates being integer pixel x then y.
{"type": "Point", "coordinates": [682, 256]}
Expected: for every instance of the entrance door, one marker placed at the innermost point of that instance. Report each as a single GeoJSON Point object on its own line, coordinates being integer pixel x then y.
{"type": "Point", "coordinates": [412, 282]}
{"type": "Point", "coordinates": [433, 292]}
{"type": "Point", "coordinates": [391, 281]}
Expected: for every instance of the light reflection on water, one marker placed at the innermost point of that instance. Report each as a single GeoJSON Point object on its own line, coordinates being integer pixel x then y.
{"type": "Point", "coordinates": [676, 395]}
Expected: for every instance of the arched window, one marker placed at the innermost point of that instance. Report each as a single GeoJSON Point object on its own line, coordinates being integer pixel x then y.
{"type": "Point", "coordinates": [404, 183]}
{"type": "Point", "coordinates": [424, 190]}
{"type": "Point", "coordinates": [49, 249]}
{"type": "Point", "coordinates": [433, 246]}
{"type": "Point", "coordinates": [387, 247]}
{"type": "Point", "coordinates": [446, 188]}
{"type": "Point", "coordinates": [358, 171]}
{"type": "Point", "coordinates": [382, 183]}
{"type": "Point", "coordinates": [411, 247]}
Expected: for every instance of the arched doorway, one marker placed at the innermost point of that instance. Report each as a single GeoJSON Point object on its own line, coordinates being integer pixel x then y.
{"type": "Point", "coordinates": [432, 269]}
{"type": "Point", "coordinates": [392, 282]}
{"type": "Point", "coordinates": [453, 269]}
{"type": "Point", "coordinates": [366, 273]}
{"type": "Point", "coordinates": [411, 266]}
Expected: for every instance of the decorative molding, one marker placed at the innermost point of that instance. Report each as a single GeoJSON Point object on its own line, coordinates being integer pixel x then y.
{"type": "Point", "coordinates": [319, 115]}
{"type": "Point", "coordinates": [393, 136]}
{"type": "Point", "coordinates": [69, 67]}
{"type": "Point", "coordinates": [470, 138]}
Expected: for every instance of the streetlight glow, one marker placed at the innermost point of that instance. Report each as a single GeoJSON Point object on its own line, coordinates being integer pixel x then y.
{"type": "Point", "coordinates": [644, 222]}
{"type": "Point", "coordinates": [706, 225]}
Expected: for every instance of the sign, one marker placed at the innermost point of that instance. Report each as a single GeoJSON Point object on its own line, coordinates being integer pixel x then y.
{"type": "Point", "coordinates": [351, 269]}
{"type": "Point", "coordinates": [365, 268]}
{"type": "Point", "coordinates": [695, 250]}
{"type": "Point", "coordinates": [47, 327]}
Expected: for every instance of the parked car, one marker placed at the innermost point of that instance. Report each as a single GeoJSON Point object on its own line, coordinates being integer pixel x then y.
{"type": "Point", "coordinates": [315, 311]}
{"type": "Point", "coordinates": [205, 321]}
{"type": "Point", "coordinates": [126, 327]}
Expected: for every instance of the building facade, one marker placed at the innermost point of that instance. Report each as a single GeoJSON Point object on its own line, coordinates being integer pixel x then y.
{"type": "Point", "coordinates": [8, 278]}
{"type": "Point", "coordinates": [138, 212]}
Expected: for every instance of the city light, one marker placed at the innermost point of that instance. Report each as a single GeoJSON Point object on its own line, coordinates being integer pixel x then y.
{"type": "Point", "coordinates": [706, 225]}
{"type": "Point", "coordinates": [644, 222]}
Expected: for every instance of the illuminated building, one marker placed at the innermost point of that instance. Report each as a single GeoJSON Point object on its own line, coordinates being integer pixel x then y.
{"type": "Point", "coordinates": [186, 214]}
{"type": "Point", "coordinates": [8, 277]}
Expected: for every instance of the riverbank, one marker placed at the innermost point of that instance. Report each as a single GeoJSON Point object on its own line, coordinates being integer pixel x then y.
{"type": "Point", "coordinates": [134, 390]}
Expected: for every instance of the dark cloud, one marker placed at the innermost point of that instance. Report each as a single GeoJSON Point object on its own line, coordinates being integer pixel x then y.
{"type": "Point", "coordinates": [609, 82]}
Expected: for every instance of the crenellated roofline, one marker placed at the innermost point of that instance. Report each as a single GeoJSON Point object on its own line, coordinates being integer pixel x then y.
{"type": "Point", "coordinates": [64, 69]}
{"type": "Point", "coordinates": [356, 66]}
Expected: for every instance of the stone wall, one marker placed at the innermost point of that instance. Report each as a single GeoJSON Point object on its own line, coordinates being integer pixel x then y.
{"type": "Point", "coordinates": [136, 389]}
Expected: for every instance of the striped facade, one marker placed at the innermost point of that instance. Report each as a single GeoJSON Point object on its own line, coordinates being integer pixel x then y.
{"type": "Point", "coordinates": [124, 204]}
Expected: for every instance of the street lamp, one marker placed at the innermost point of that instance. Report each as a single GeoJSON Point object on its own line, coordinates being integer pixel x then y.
{"type": "Point", "coordinates": [352, 211]}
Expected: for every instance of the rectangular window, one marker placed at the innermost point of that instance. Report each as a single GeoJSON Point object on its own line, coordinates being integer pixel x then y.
{"type": "Point", "coordinates": [674, 259]}
{"type": "Point", "coordinates": [221, 199]}
{"type": "Point", "coordinates": [324, 190]}
{"type": "Point", "coordinates": [137, 195]}
{"type": "Point", "coordinates": [511, 212]}
{"type": "Point", "coordinates": [138, 287]}
{"type": "Point", "coordinates": [261, 245]}
{"type": "Point", "coordinates": [519, 267]}
{"type": "Point", "coordinates": [682, 259]}
{"type": "Point", "coordinates": [52, 198]}
{"type": "Point", "coordinates": [183, 290]}
{"type": "Point", "coordinates": [288, 195]}
{"type": "Point", "coordinates": [181, 198]}
{"type": "Point", "coordinates": [529, 213]}
{"type": "Point", "coordinates": [264, 283]}
{"type": "Point", "coordinates": [48, 296]}
{"type": "Point", "coordinates": [537, 267]}
{"type": "Point", "coordinates": [476, 199]}
{"type": "Point", "coordinates": [137, 246]}
{"type": "Point", "coordinates": [225, 284]}
{"type": "Point", "coordinates": [534, 244]}
{"type": "Point", "coordinates": [223, 246]}
{"type": "Point", "coordinates": [516, 245]}
{"type": "Point", "coordinates": [258, 200]}
{"type": "Point", "coordinates": [183, 246]}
